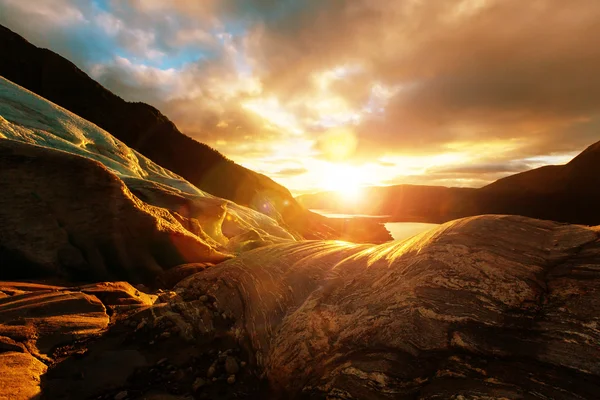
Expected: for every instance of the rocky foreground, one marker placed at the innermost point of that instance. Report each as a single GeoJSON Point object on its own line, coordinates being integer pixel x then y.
{"type": "Point", "coordinates": [490, 307]}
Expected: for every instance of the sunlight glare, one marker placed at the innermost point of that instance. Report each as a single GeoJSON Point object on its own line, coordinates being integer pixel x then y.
{"type": "Point", "coordinates": [346, 180]}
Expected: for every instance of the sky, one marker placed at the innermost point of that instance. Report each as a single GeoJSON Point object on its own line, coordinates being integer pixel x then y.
{"type": "Point", "coordinates": [329, 94]}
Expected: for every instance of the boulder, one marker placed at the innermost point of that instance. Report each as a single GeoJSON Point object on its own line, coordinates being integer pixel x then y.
{"type": "Point", "coordinates": [483, 307]}
{"type": "Point", "coordinates": [20, 376]}
{"type": "Point", "coordinates": [171, 277]}
{"type": "Point", "coordinates": [118, 293]}
{"type": "Point", "coordinates": [43, 320]}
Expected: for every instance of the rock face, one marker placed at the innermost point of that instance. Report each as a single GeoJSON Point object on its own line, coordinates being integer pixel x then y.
{"type": "Point", "coordinates": [485, 307]}
{"type": "Point", "coordinates": [32, 324]}
{"type": "Point", "coordinates": [37, 320]}
{"type": "Point", "coordinates": [20, 376]}
{"type": "Point", "coordinates": [147, 130]}
{"type": "Point", "coordinates": [101, 231]}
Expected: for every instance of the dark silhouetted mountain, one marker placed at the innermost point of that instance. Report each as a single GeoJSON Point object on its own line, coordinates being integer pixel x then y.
{"type": "Point", "coordinates": [147, 130]}
{"type": "Point", "coordinates": [565, 193]}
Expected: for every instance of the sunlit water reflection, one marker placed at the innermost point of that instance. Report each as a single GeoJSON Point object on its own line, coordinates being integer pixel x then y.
{"type": "Point", "coordinates": [399, 230]}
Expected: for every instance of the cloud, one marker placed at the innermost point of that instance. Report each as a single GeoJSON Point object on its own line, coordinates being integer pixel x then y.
{"type": "Point", "coordinates": [290, 172]}
{"type": "Point", "coordinates": [480, 70]}
{"type": "Point", "coordinates": [478, 169]}
{"type": "Point", "coordinates": [140, 42]}
{"type": "Point", "coordinates": [498, 81]}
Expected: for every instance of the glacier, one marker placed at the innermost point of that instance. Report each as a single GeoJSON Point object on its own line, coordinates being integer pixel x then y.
{"type": "Point", "coordinates": [29, 118]}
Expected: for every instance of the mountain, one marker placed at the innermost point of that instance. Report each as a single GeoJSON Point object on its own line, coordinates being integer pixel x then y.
{"type": "Point", "coordinates": [145, 129]}
{"type": "Point", "coordinates": [80, 205]}
{"type": "Point", "coordinates": [565, 193]}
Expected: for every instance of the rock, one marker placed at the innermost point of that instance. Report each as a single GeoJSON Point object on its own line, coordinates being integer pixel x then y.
{"type": "Point", "coordinates": [141, 324]}
{"type": "Point", "coordinates": [198, 383]}
{"type": "Point", "coordinates": [13, 288]}
{"type": "Point", "coordinates": [7, 345]}
{"type": "Point", "coordinates": [483, 307]}
{"type": "Point", "coordinates": [121, 395]}
{"type": "Point", "coordinates": [142, 288]}
{"type": "Point", "coordinates": [164, 396]}
{"type": "Point", "coordinates": [44, 319]}
{"type": "Point", "coordinates": [118, 293]}
{"type": "Point", "coordinates": [231, 366]}
{"type": "Point", "coordinates": [20, 376]}
{"type": "Point", "coordinates": [74, 234]}
{"type": "Point", "coordinates": [211, 371]}
{"type": "Point", "coordinates": [172, 276]}
{"type": "Point", "coordinates": [104, 367]}
{"type": "Point", "coordinates": [203, 298]}
{"type": "Point", "coordinates": [231, 379]}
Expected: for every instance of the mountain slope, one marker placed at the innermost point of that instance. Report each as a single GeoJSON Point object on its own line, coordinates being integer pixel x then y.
{"type": "Point", "coordinates": [143, 128]}
{"type": "Point", "coordinates": [567, 193]}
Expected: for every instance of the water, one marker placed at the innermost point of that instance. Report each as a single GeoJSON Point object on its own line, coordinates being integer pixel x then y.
{"type": "Point", "coordinates": [399, 230]}
{"type": "Point", "coordinates": [328, 214]}
{"type": "Point", "coordinates": [403, 230]}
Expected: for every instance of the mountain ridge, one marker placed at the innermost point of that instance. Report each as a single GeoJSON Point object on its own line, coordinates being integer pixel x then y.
{"type": "Point", "coordinates": [564, 193]}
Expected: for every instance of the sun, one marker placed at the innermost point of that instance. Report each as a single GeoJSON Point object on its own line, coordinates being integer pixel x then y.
{"type": "Point", "coordinates": [346, 180]}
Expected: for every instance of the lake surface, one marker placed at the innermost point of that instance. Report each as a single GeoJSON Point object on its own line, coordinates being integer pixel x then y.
{"type": "Point", "coordinates": [399, 230]}
{"type": "Point", "coordinates": [403, 230]}
{"type": "Point", "coordinates": [328, 214]}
